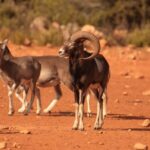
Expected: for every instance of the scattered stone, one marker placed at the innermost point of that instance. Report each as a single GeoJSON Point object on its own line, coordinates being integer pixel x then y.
{"type": "Point", "coordinates": [40, 24]}
{"type": "Point", "coordinates": [124, 74]}
{"type": "Point", "coordinates": [125, 93]}
{"type": "Point", "coordinates": [148, 49]}
{"type": "Point", "coordinates": [146, 93]}
{"type": "Point", "coordinates": [117, 100]}
{"type": "Point", "coordinates": [131, 46]}
{"type": "Point", "coordinates": [3, 145]}
{"type": "Point", "coordinates": [127, 86]}
{"type": "Point", "coordinates": [92, 29]}
{"type": "Point", "coordinates": [27, 42]}
{"type": "Point", "coordinates": [138, 101]}
{"type": "Point", "coordinates": [101, 143]}
{"type": "Point", "coordinates": [25, 132]}
{"type": "Point", "coordinates": [133, 57]}
{"type": "Point", "coordinates": [16, 145]}
{"type": "Point", "coordinates": [139, 76]}
{"type": "Point", "coordinates": [3, 127]}
{"type": "Point", "coordinates": [129, 130]}
{"type": "Point", "coordinates": [89, 125]}
{"type": "Point", "coordinates": [100, 132]}
{"type": "Point", "coordinates": [135, 104]}
{"type": "Point", "coordinates": [146, 123]}
{"type": "Point", "coordinates": [130, 114]}
{"type": "Point", "coordinates": [139, 146]}
{"type": "Point", "coordinates": [89, 142]}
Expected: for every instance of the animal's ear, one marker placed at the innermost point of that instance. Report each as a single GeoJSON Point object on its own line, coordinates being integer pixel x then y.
{"type": "Point", "coordinates": [4, 44]}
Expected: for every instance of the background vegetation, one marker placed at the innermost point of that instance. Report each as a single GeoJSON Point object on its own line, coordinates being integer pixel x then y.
{"type": "Point", "coordinates": [133, 16]}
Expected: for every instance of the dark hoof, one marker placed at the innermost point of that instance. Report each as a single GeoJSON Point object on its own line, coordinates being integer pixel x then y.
{"type": "Point", "coordinates": [11, 113]}
{"type": "Point", "coordinates": [25, 114]}
{"type": "Point", "coordinates": [75, 128]}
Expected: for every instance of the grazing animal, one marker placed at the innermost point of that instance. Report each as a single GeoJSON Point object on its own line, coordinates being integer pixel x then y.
{"type": "Point", "coordinates": [88, 71]}
{"type": "Point", "coordinates": [20, 90]}
{"type": "Point", "coordinates": [20, 71]}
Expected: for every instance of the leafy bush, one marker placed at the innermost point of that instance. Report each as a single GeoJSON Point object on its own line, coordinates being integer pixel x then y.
{"type": "Point", "coordinates": [18, 37]}
{"type": "Point", "coordinates": [52, 36]}
{"type": "Point", "coordinates": [17, 16]}
{"type": "Point", "coordinates": [140, 37]}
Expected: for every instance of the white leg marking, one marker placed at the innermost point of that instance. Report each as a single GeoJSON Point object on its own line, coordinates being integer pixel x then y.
{"type": "Point", "coordinates": [76, 121]}
{"type": "Point", "coordinates": [88, 105]}
{"type": "Point", "coordinates": [10, 96]}
{"type": "Point", "coordinates": [22, 99]}
{"type": "Point", "coordinates": [104, 97]}
{"type": "Point", "coordinates": [50, 106]}
{"type": "Point", "coordinates": [98, 120]}
{"type": "Point", "coordinates": [37, 93]}
{"type": "Point", "coordinates": [81, 125]}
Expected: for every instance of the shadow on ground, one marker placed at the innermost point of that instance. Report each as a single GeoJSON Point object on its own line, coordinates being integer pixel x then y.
{"type": "Point", "coordinates": [127, 117]}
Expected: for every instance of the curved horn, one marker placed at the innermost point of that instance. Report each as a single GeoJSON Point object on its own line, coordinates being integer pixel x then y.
{"type": "Point", "coordinates": [81, 36]}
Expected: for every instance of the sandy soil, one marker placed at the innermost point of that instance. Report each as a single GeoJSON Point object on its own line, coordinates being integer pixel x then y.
{"type": "Point", "coordinates": [127, 109]}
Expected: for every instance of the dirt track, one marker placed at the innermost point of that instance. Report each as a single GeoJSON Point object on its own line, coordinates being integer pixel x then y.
{"type": "Point", "coordinates": [127, 109]}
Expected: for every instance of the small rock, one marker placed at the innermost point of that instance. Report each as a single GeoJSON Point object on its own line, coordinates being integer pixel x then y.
{"type": "Point", "coordinates": [135, 104]}
{"type": "Point", "coordinates": [27, 42]}
{"type": "Point", "coordinates": [3, 127]}
{"type": "Point", "coordinates": [101, 143]}
{"type": "Point", "coordinates": [3, 145]}
{"type": "Point", "coordinates": [133, 56]}
{"type": "Point", "coordinates": [138, 101]}
{"type": "Point", "coordinates": [130, 114]}
{"type": "Point", "coordinates": [129, 130]}
{"type": "Point", "coordinates": [146, 93]}
{"type": "Point", "coordinates": [148, 49]}
{"type": "Point", "coordinates": [25, 132]}
{"type": "Point", "coordinates": [125, 93]}
{"type": "Point", "coordinates": [16, 145]}
{"type": "Point", "coordinates": [117, 100]}
{"type": "Point", "coordinates": [127, 86]}
{"type": "Point", "coordinates": [89, 125]}
{"type": "Point", "coordinates": [124, 74]}
{"type": "Point", "coordinates": [139, 76]}
{"type": "Point", "coordinates": [146, 123]}
{"type": "Point", "coordinates": [139, 146]}
{"type": "Point", "coordinates": [100, 132]}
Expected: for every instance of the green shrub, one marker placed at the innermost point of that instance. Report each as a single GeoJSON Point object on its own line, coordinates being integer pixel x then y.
{"type": "Point", "coordinates": [4, 33]}
{"type": "Point", "coordinates": [18, 37]}
{"type": "Point", "coordinates": [139, 37]}
{"type": "Point", "coordinates": [52, 36]}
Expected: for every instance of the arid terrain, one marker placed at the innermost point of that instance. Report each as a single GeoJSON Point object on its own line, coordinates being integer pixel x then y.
{"type": "Point", "coordinates": [128, 107]}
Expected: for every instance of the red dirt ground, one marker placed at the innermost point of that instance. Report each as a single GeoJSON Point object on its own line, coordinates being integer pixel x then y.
{"type": "Point", "coordinates": [126, 112]}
